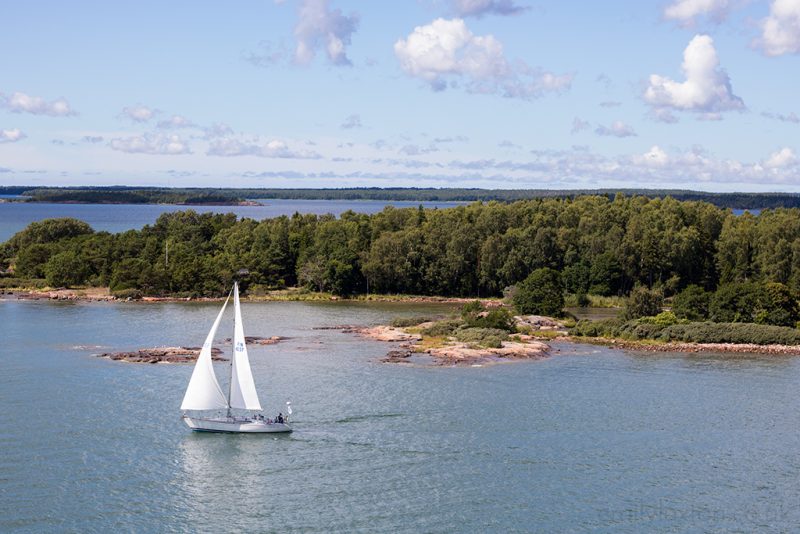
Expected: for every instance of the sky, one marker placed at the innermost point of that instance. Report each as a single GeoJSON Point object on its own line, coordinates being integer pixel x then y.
{"type": "Point", "coordinates": [686, 94]}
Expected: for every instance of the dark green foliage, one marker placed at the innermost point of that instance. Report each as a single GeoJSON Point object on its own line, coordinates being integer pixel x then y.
{"type": "Point", "coordinates": [482, 337]}
{"type": "Point", "coordinates": [475, 315]}
{"type": "Point", "coordinates": [643, 302]}
{"type": "Point", "coordinates": [48, 231]}
{"type": "Point", "coordinates": [119, 194]}
{"type": "Point", "coordinates": [402, 322]}
{"type": "Point", "coordinates": [692, 303]}
{"type": "Point", "coordinates": [442, 328]}
{"type": "Point", "coordinates": [65, 269]}
{"type": "Point", "coordinates": [467, 251]}
{"type": "Point", "coordinates": [706, 332]}
{"type": "Point", "coordinates": [540, 293]}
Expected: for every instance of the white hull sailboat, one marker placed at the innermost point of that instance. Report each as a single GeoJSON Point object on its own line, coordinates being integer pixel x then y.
{"type": "Point", "coordinates": [204, 393]}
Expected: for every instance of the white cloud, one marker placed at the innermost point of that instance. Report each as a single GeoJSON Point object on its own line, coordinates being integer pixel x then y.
{"type": "Point", "coordinates": [319, 27]}
{"type": "Point", "coordinates": [781, 159]}
{"type": "Point", "coordinates": [35, 105]}
{"type": "Point", "coordinates": [176, 122]}
{"type": "Point", "coordinates": [139, 113]}
{"type": "Point", "coordinates": [352, 121]}
{"type": "Point", "coordinates": [707, 88]}
{"type": "Point", "coordinates": [12, 136]}
{"type": "Point", "coordinates": [447, 51]}
{"type": "Point", "coordinates": [686, 11]}
{"type": "Point", "coordinates": [275, 148]}
{"type": "Point", "coordinates": [780, 31]}
{"type": "Point", "coordinates": [479, 8]}
{"type": "Point", "coordinates": [655, 157]}
{"type": "Point", "coordinates": [617, 129]}
{"type": "Point", "coordinates": [151, 143]}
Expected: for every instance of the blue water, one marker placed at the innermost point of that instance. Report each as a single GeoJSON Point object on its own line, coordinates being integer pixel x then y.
{"type": "Point", "coordinates": [589, 440]}
{"type": "Point", "coordinates": [15, 216]}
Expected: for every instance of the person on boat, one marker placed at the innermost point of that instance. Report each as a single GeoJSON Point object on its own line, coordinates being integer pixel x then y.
{"type": "Point", "coordinates": [280, 417]}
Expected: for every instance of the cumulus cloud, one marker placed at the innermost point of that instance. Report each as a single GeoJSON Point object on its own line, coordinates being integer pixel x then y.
{"type": "Point", "coordinates": [447, 51]}
{"type": "Point", "coordinates": [35, 105]}
{"type": "Point", "coordinates": [275, 148]}
{"type": "Point", "coordinates": [686, 12]}
{"type": "Point", "coordinates": [617, 129]}
{"type": "Point", "coordinates": [12, 136]}
{"type": "Point", "coordinates": [781, 159]}
{"type": "Point", "coordinates": [352, 121]}
{"type": "Point", "coordinates": [479, 8]}
{"type": "Point", "coordinates": [780, 31]}
{"type": "Point", "coordinates": [707, 88]}
{"type": "Point", "coordinates": [151, 143]}
{"type": "Point", "coordinates": [94, 139]}
{"type": "Point", "coordinates": [139, 113]}
{"type": "Point", "coordinates": [176, 122]}
{"type": "Point", "coordinates": [655, 157]}
{"type": "Point", "coordinates": [319, 27]}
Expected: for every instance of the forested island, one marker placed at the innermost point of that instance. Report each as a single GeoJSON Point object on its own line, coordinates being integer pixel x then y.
{"type": "Point", "coordinates": [127, 195]}
{"type": "Point", "coordinates": [236, 196]}
{"type": "Point", "coordinates": [710, 266]}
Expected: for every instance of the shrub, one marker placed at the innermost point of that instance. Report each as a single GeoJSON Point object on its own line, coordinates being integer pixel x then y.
{"type": "Point", "coordinates": [540, 293]}
{"type": "Point", "coordinates": [442, 328]}
{"type": "Point", "coordinates": [123, 294]}
{"type": "Point", "coordinates": [401, 322]}
{"type": "Point", "coordinates": [643, 302]}
{"type": "Point", "coordinates": [692, 303]}
{"type": "Point", "coordinates": [708, 332]}
{"type": "Point", "coordinates": [666, 318]}
{"type": "Point", "coordinates": [483, 337]}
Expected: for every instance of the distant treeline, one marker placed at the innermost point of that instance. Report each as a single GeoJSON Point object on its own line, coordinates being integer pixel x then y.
{"type": "Point", "coordinates": [598, 245]}
{"type": "Point", "coordinates": [138, 195]}
{"type": "Point", "coordinates": [124, 195]}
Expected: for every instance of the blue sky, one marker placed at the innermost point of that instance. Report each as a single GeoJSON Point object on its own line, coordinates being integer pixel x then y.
{"type": "Point", "coordinates": [693, 94]}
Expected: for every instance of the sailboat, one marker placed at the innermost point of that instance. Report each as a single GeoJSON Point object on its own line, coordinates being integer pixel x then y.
{"type": "Point", "coordinates": [205, 394]}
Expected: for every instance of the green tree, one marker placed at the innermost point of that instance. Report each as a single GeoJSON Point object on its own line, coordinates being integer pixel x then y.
{"type": "Point", "coordinates": [540, 293]}
{"type": "Point", "coordinates": [643, 302]}
{"type": "Point", "coordinates": [65, 269]}
{"type": "Point", "coordinates": [691, 303]}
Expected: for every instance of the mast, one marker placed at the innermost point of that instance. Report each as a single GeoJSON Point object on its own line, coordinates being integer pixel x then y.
{"type": "Point", "coordinates": [233, 347]}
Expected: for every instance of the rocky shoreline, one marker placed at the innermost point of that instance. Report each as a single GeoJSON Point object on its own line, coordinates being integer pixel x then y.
{"type": "Point", "coordinates": [180, 354]}
{"type": "Point", "coordinates": [161, 355]}
{"type": "Point", "coordinates": [737, 348]}
{"type": "Point", "coordinates": [452, 353]}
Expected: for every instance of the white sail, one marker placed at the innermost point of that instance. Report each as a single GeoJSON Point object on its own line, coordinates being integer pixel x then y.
{"type": "Point", "coordinates": [204, 392]}
{"type": "Point", "coordinates": [243, 390]}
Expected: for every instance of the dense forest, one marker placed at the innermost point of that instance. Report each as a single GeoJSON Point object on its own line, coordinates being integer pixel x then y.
{"type": "Point", "coordinates": [163, 195]}
{"type": "Point", "coordinates": [598, 245]}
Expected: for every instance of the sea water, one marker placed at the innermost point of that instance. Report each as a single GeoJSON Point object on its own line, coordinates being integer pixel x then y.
{"type": "Point", "coordinates": [590, 439]}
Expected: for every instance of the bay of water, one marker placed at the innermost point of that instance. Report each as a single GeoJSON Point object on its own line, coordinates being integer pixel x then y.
{"type": "Point", "coordinates": [15, 216]}
{"type": "Point", "coordinates": [589, 440]}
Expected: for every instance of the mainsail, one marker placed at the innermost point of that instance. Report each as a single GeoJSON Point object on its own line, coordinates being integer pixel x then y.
{"type": "Point", "coordinates": [204, 392]}
{"type": "Point", "coordinates": [243, 390]}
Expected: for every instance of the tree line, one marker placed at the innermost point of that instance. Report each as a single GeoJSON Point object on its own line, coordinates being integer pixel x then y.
{"type": "Point", "coordinates": [164, 195]}
{"type": "Point", "coordinates": [598, 245]}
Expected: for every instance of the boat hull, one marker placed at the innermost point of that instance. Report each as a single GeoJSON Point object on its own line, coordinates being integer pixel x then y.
{"type": "Point", "coordinates": [235, 425]}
